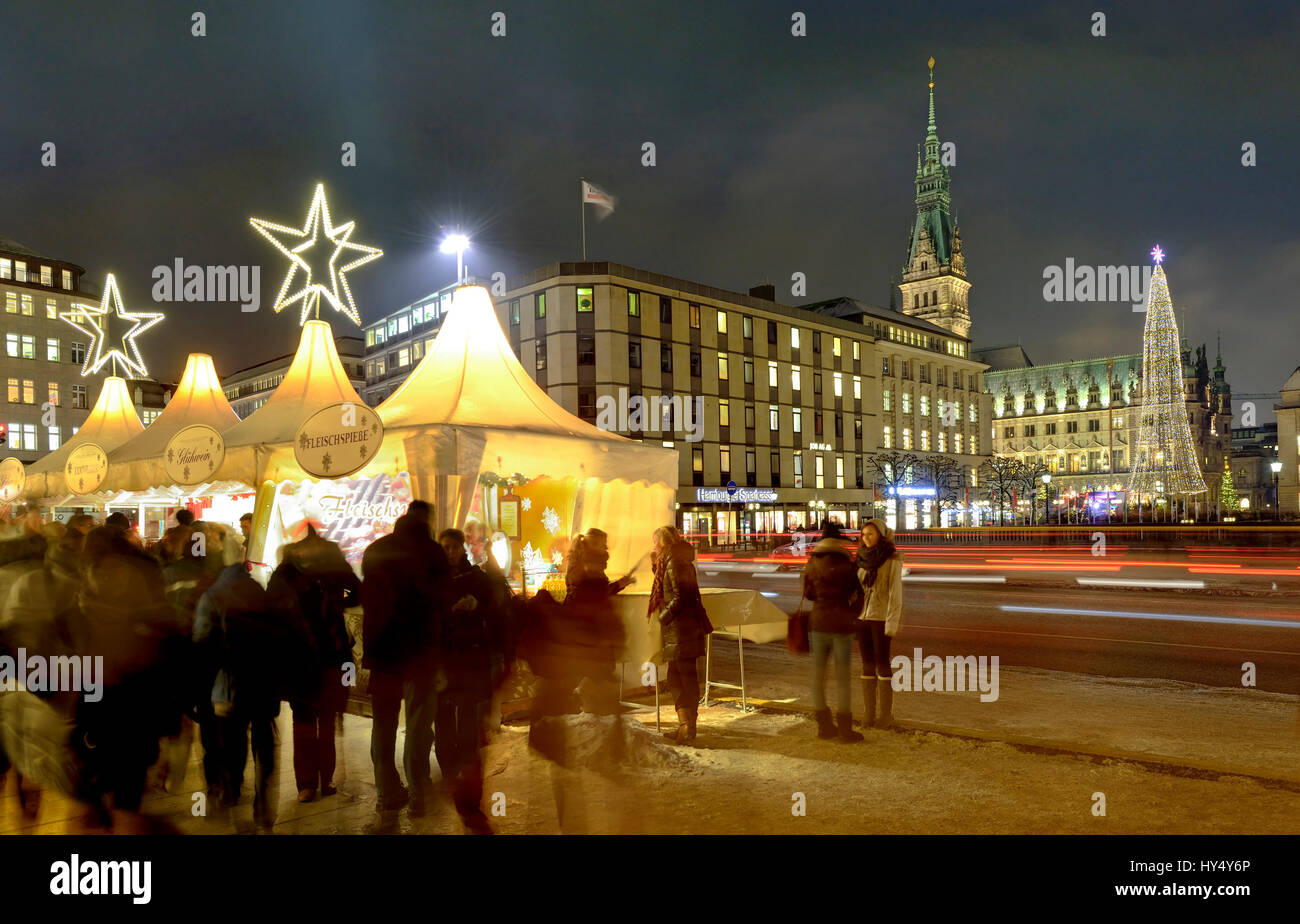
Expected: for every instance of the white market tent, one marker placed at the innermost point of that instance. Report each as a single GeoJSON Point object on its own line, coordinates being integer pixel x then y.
{"type": "Point", "coordinates": [110, 423]}
{"type": "Point", "coordinates": [469, 407]}
{"type": "Point", "coordinates": [137, 465]}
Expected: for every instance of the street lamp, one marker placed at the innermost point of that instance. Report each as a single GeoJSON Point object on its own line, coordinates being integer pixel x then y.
{"type": "Point", "coordinates": [1047, 486]}
{"type": "Point", "coordinates": [457, 244]}
{"type": "Point", "coordinates": [1276, 466]}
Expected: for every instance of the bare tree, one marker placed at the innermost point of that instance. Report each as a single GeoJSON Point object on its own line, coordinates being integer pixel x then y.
{"type": "Point", "coordinates": [1026, 477]}
{"type": "Point", "coordinates": [1000, 474]}
{"type": "Point", "coordinates": [893, 470]}
{"type": "Point", "coordinates": [947, 475]}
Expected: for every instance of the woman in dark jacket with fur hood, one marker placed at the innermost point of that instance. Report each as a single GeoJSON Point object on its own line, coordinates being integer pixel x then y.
{"type": "Point", "coordinates": [675, 599]}
{"type": "Point", "coordinates": [830, 581]}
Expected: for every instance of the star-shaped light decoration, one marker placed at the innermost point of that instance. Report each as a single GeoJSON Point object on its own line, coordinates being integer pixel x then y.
{"type": "Point", "coordinates": [93, 321]}
{"type": "Point", "coordinates": [1157, 254]}
{"type": "Point", "coordinates": [298, 246]}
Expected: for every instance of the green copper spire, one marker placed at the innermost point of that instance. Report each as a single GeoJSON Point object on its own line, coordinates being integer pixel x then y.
{"type": "Point", "coordinates": [931, 128]}
{"type": "Point", "coordinates": [932, 202]}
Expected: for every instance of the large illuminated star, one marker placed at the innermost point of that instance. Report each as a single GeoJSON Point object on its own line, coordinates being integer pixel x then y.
{"type": "Point", "coordinates": [93, 321]}
{"type": "Point", "coordinates": [295, 243]}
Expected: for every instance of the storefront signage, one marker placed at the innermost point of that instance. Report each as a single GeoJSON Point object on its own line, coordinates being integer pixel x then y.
{"type": "Point", "coordinates": [353, 512]}
{"type": "Point", "coordinates": [338, 440]}
{"type": "Point", "coordinates": [86, 468]}
{"type": "Point", "coordinates": [193, 454]}
{"type": "Point", "coordinates": [742, 495]}
{"type": "Point", "coordinates": [12, 478]}
{"type": "Point", "coordinates": [911, 492]}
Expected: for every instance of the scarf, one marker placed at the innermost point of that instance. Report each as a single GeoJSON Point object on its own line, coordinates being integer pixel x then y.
{"type": "Point", "coordinates": [871, 558]}
{"type": "Point", "coordinates": [657, 587]}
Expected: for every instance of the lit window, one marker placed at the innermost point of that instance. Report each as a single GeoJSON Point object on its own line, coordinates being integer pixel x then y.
{"type": "Point", "coordinates": [943, 441]}
{"type": "Point", "coordinates": [11, 302]}
{"type": "Point", "coordinates": [724, 413]}
{"type": "Point", "coordinates": [403, 324]}
{"type": "Point", "coordinates": [857, 387]}
{"type": "Point", "coordinates": [15, 392]}
{"type": "Point", "coordinates": [856, 350]}
{"type": "Point", "coordinates": [724, 460]}
{"type": "Point", "coordinates": [907, 403]}
{"type": "Point", "coordinates": [722, 321]}
{"type": "Point", "coordinates": [539, 301]}
{"type": "Point", "coordinates": [798, 469]}
{"type": "Point", "coordinates": [695, 317]}
{"type": "Point", "coordinates": [29, 346]}
{"type": "Point", "coordinates": [798, 419]}
{"type": "Point", "coordinates": [956, 443]}
{"type": "Point", "coordinates": [839, 471]}
{"type": "Point", "coordinates": [47, 276]}
{"type": "Point", "coordinates": [633, 304]}
{"type": "Point", "coordinates": [773, 417]}
{"type": "Point", "coordinates": [586, 302]}
{"type": "Point", "coordinates": [925, 440]}
{"type": "Point", "coordinates": [54, 393]}
{"type": "Point", "coordinates": [885, 401]}
{"type": "Point", "coordinates": [835, 347]}
{"type": "Point", "coordinates": [514, 312]}
{"type": "Point", "coordinates": [907, 437]}
{"type": "Point", "coordinates": [20, 270]}
{"type": "Point", "coordinates": [722, 367]}
{"type": "Point", "coordinates": [747, 327]}
{"type": "Point", "coordinates": [925, 405]}
{"type": "Point", "coordinates": [973, 413]}
{"type": "Point", "coordinates": [771, 375]}
{"type": "Point", "coordinates": [839, 383]}
{"type": "Point", "coordinates": [51, 310]}
{"type": "Point", "coordinates": [821, 473]}
{"type": "Point", "coordinates": [6, 269]}
{"type": "Point", "coordinates": [29, 391]}
{"type": "Point", "coordinates": [67, 284]}
{"type": "Point", "coordinates": [404, 357]}
{"type": "Point", "coordinates": [29, 307]}
{"type": "Point", "coordinates": [54, 438]}
{"type": "Point", "coordinates": [794, 378]}
{"type": "Point", "coordinates": [794, 337]}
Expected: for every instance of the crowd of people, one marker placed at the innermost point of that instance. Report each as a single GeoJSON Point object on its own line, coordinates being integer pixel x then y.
{"type": "Point", "coordinates": [194, 648]}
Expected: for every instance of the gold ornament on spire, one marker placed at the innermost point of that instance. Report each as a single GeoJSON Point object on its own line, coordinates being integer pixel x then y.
{"type": "Point", "coordinates": [331, 282]}
{"type": "Point", "coordinates": [95, 321]}
{"type": "Point", "coordinates": [932, 72]}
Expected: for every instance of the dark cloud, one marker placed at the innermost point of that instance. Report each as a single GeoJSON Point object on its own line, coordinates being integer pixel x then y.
{"type": "Point", "coordinates": [775, 154]}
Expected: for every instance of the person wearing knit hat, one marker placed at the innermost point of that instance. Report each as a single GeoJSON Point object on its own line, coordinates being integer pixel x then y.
{"type": "Point", "coordinates": [830, 582]}
{"type": "Point", "coordinates": [880, 573]}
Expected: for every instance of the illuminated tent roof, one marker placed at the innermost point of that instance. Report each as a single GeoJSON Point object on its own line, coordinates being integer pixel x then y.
{"type": "Point", "coordinates": [111, 422]}
{"type": "Point", "coordinates": [471, 377]}
{"type": "Point", "coordinates": [137, 464]}
{"type": "Point", "coordinates": [261, 446]}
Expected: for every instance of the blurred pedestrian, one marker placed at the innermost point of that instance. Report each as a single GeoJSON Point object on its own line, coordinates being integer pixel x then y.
{"type": "Point", "coordinates": [243, 641]}
{"type": "Point", "coordinates": [830, 582]}
{"type": "Point", "coordinates": [315, 583]}
{"type": "Point", "coordinates": [471, 635]}
{"type": "Point", "coordinates": [403, 597]}
{"type": "Point", "coordinates": [880, 572]}
{"type": "Point", "coordinates": [675, 601]}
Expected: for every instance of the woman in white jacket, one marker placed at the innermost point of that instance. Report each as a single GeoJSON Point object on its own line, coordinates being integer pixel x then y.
{"type": "Point", "coordinates": [880, 570]}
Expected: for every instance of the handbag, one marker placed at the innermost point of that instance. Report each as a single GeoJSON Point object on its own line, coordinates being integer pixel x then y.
{"type": "Point", "coordinates": [796, 630]}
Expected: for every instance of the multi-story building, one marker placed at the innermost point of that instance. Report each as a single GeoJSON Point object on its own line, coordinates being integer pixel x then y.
{"type": "Point", "coordinates": [787, 402]}
{"type": "Point", "coordinates": [247, 389]}
{"type": "Point", "coordinates": [43, 355]}
{"type": "Point", "coordinates": [1288, 443]}
{"type": "Point", "coordinates": [396, 343]}
{"type": "Point", "coordinates": [1077, 420]}
{"type": "Point", "coordinates": [1254, 450]}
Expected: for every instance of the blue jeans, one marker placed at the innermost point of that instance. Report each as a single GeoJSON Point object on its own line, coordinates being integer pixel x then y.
{"type": "Point", "coordinates": [822, 644]}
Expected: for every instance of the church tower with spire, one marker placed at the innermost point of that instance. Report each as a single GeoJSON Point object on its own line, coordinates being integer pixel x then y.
{"type": "Point", "coordinates": [934, 285]}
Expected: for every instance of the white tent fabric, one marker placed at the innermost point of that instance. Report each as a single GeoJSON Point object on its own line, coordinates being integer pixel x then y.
{"type": "Point", "coordinates": [260, 447]}
{"type": "Point", "coordinates": [111, 422]}
{"type": "Point", "coordinates": [137, 464]}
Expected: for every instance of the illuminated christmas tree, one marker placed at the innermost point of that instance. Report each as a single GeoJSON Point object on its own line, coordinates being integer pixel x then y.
{"type": "Point", "coordinates": [1228, 500]}
{"type": "Point", "coordinates": [1164, 459]}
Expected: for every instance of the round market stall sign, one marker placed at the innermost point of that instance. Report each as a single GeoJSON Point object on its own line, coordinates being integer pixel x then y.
{"type": "Point", "coordinates": [193, 454]}
{"type": "Point", "coordinates": [86, 468]}
{"type": "Point", "coordinates": [12, 478]}
{"type": "Point", "coordinates": [338, 440]}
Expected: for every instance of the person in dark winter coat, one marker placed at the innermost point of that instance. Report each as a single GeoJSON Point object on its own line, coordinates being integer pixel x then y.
{"type": "Point", "coordinates": [675, 601]}
{"type": "Point", "coordinates": [831, 583]}
{"type": "Point", "coordinates": [471, 636]}
{"type": "Point", "coordinates": [316, 584]}
{"type": "Point", "coordinates": [403, 595]}
{"type": "Point", "coordinates": [242, 642]}
{"type": "Point", "coordinates": [880, 572]}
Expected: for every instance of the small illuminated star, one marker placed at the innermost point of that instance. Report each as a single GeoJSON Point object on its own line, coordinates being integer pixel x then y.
{"type": "Point", "coordinates": [95, 319]}
{"type": "Point", "coordinates": [294, 243]}
{"type": "Point", "coordinates": [1157, 254]}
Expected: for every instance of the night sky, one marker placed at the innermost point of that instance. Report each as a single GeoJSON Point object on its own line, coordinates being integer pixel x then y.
{"type": "Point", "coordinates": [775, 154]}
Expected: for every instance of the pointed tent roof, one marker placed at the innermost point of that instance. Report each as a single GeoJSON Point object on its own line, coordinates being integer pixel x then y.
{"type": "Point", "coordinates": [111, 422]}
{"type": "Point", "coordinates": [136, 465]}
{"type": "Point", "coordinates": [470, 377]}
{"type": "Point", "coordinates": [314, 381]}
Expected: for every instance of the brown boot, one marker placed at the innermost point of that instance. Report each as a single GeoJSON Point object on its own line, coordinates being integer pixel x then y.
{"type": "Point", "coordinates": [886, 693]}
{"type": "Point", "coordinates": [845, 722]}
{"type": "Point", "coordinates": [678, 734]}
{"type": "Point", "coordinates": [825, 726]}
{"type": "Point", "coordinates": [869, 699]}
{"type": "Point", "coordinates": [691, 716]}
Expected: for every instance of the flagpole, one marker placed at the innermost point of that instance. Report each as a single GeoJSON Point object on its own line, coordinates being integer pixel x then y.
{"type": "Point", "coordinates": [582, 207]}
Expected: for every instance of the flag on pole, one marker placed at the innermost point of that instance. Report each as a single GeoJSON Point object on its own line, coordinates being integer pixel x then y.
{"type": "Point", "coordinates": [594, 195]}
